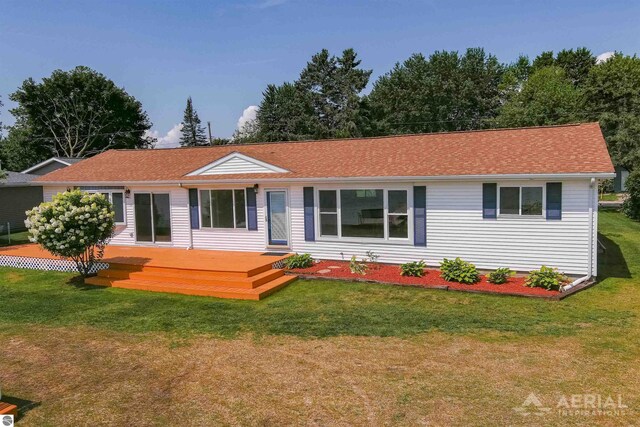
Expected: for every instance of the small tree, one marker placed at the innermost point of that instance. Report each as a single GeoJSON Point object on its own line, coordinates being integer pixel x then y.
{"type": "Point", "coordinates": [631, 206]}
{"type": "Point", "coordinates": [75, 225]}
{"type": "Point", "coordinates": [192, 129]}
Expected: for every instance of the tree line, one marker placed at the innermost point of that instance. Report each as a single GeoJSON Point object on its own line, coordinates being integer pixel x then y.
{"type": "Point", "coordinates": [449, 91]}
{"type": "Point", "coordinates": [79, 113]}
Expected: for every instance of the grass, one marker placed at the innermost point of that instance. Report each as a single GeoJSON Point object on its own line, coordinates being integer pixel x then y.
{"type": "Point", "coordinates": [609, 197]}
{"type": "Point", "coordinates": [320, 352]}
{"type": "Point", "coordinates": [14, 238]}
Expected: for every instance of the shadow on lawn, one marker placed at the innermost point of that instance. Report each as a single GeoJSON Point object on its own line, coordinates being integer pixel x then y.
{"type": "Point", "coordinates": [23, 405]}
{"type": "Point", "coordinates": [612, 261]}
{"type": "Point", "coordinates": [78, 283]}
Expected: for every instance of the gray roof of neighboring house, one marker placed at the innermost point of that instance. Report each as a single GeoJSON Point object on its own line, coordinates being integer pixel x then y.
{"type": "Point", "coordinates": [17, 178]}
{"type": "Point", "coordinates": [70, 160]}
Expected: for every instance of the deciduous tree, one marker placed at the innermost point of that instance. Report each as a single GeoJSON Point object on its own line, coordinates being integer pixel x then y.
{"type": "Point", "coordinates": [79, 113]}
{"type": "Point", "coordinates": [612, 96]}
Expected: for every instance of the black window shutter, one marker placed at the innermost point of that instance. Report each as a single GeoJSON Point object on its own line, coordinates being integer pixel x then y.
{"type": "Point", "coordinates": [309, 226]}
{"type": "Point", "coordinates": [490, 200]}
{"type": "Point", "coordinates": [252, 209]}
{"type": "Point", "coordinates": [194, 211]}
{"type": "Point", "coordinates": [420, 216]}
{"type": "Point", "coordinates": [554, 200]}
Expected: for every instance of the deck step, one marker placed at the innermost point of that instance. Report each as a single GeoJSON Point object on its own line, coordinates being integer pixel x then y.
{"type": "Point", "coordinates": [185, 277]}
{"type": "Point", "coordinates": [192, 289]}
{"type": "Point", "coordinates": [193, 272]}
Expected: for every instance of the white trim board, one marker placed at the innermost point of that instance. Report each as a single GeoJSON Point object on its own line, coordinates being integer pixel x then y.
{"type": "Point", "coordinates": [46, 162]}
{"type": "Point", "coordinates": [236, 163]}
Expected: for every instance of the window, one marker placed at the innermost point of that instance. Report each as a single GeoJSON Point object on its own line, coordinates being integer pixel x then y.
{"type": "Point", "coordinates": [525, 201]}
{"type": "Point", "coordinates": [117, 201]}
{"type": "Point", "coordinates": [364, 213]}
{"type": "Point", "coordinates": [398, 217]}
{"type": "Point", "coordinates": [328, 213]}
{"type": "Point", "coordinates": [223, 209]}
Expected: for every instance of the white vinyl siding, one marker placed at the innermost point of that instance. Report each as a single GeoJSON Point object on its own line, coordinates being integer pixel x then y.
{"type": "Point", "coordinates": [455, 228]}
{"type": "Point", "coordinates": [454, 223]}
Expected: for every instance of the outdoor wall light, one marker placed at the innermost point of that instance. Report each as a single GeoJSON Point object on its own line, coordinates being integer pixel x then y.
{"type": "Point", "coordinates": [127, 193]}
{"type": "Point", "coordinates": [255, 188]}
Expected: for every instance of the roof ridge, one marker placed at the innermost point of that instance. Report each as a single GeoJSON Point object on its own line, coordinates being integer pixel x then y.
{"type": "Point", "coordinates": [409, 135]}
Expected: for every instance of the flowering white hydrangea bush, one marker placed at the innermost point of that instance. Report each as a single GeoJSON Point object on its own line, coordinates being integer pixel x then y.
{"type": "Point", "coordinates": [75, 225]}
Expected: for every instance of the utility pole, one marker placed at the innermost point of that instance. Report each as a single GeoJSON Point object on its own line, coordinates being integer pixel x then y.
{"type": "Point", "coordinates": [210, 139]}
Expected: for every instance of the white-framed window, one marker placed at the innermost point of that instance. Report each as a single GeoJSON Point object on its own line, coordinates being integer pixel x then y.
{"type": "Point", "coordinates": [116, 198]}
{"type": "Point", "coordinates": [521, 201]}
{"type": "Point", "coordinates": [364, 214]}
{"type": "Point", "coordinates": [224, 208]}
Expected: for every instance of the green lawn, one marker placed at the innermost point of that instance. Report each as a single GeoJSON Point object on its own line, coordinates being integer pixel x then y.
{"type": "Point", "coordinates": [14, 238]}
{"type": "Point", "coordinates": [326, 308]}
{"type": "Point", "coordinates": [609, 197]}
{"type": "Point", "coordinates": [320, 353]}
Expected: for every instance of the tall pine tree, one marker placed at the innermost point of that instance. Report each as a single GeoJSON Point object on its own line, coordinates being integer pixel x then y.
{"type": "Point", "coordinates": [192, 129]}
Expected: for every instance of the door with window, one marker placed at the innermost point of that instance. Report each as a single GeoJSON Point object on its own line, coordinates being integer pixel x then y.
{"type": "Point", "coordinates": [277, 218]}
{"type": "Point", "coordinates": [153, 217]}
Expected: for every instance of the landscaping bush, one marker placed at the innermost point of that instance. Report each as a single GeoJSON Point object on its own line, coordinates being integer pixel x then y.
{"type": "Point", "coordinates": [414, 269]}
{"type": "Point", "coordinates": [358, 267]}
{"type": "Point", "coordinates": [458, 270]}
{"type": "Point", "coordinates": [631, 206]}
{"type": "Point", "coordinates": [299, 261]}
{"type": "Point", "coordinates": [75, 225]}
{"type": "Point", "coordinates": [547, 278]}
{"type": "Point", "coordinates": [500, 276]}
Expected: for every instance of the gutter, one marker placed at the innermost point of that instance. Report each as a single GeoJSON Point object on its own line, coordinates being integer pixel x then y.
{"type": "Point", "coordinates": [604, 175]}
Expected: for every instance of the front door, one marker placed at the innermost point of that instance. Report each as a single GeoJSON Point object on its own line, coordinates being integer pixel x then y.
{"type": "Point", "coordinates": [153, 217]}
{"type": "Point", "coordinates": [277, 218]}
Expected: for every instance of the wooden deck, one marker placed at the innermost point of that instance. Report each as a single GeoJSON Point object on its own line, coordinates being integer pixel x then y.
{"type": "Point", "coordinates": [222, 274]}
{"type": "Point", "coordinates": [8, 409]}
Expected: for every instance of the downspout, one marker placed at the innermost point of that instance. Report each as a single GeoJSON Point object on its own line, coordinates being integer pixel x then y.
{"type": "Point", "coordinates": [593, 190]}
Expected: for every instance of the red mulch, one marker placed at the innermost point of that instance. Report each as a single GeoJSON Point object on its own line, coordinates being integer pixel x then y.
{"type": "Point", "coordinates": [387, 273]}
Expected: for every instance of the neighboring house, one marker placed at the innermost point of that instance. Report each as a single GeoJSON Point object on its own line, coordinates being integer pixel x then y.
{"type": "Point", "coordinates": [620, 180]}
{"type": "Point", "coordinates": [17, 195]}
{"type": "Point", "coordinates": [51, 165]}
{"type": "Point", "coordinates": [518, 198]}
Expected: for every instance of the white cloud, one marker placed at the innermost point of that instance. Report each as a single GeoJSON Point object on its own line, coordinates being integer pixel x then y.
{"type": "Point", "coordinates": [266, 4]}
{"type": "Point", "coordinates": [603, 57]}
{"type": "Point", "coordinates": [248, 115]}
{"type": "Point", "coordinates": [170, 140]}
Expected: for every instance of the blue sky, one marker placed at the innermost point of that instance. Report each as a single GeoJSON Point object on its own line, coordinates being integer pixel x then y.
{"type": "Point", "coordinates": [224, 53]}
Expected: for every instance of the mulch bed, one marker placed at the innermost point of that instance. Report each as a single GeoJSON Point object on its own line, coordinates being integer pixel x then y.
{"type": "Point", "coordinates": [390, 274]}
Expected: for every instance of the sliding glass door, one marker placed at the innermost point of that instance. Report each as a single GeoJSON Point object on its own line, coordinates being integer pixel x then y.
{"type": "Point", "coordinates": [153, 217]}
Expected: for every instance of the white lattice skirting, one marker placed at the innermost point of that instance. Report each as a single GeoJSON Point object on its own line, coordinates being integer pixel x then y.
{"type": "Point", "coordinates": [45, 264]}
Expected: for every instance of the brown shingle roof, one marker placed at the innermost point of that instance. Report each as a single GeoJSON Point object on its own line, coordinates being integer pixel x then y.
{"type": "Point", "coordinates": [563, 149]}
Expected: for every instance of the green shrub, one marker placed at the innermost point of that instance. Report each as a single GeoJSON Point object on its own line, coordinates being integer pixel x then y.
{"type": "Point", "coordinates": [414, 269]}
{"type": "Point", "coordinates": [458, 270]}
{"type": "Point", "coordinates": [631, 206]}
{"type": "Point", "coordinates": [358, 267]}
{"type": "Point", "coordinates": [500, 275]}
{"type": "Point", "coordinates": [298, 261]}
{"type": "Point", "coordinates": [547, 278]}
